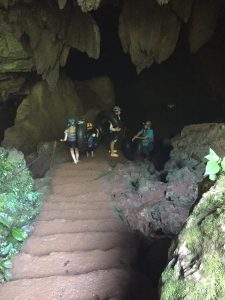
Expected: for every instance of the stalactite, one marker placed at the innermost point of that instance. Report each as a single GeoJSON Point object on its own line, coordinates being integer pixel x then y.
{"type": "Point", "coordinates": [148, 32]}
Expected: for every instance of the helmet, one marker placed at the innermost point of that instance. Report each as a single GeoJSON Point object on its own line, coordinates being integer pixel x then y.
{"type": "Point", "coordinates": [116, 109]}
{"type": "Point", "coordinates": [71, 122]}
{"type": "Point", "coordinates": [89, 125]}
{"type": "Point", "coordinates": [147, 123]}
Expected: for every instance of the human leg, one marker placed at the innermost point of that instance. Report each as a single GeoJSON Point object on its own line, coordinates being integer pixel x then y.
{"type": "Point", "coordinates": [77, 154]}
{"type": "Point", "coordinates": [112, 150]}
{"type": "Point", "coordinates": [73, 155]}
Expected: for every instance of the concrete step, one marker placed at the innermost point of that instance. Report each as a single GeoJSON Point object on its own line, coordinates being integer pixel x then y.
{"type": "Point", "coordinates": [87, 197]}
{"type": "Point", "coordinates": [77, 205]}
{"type": "Point", "coordinates": [85, 241]}
{"type": "Point", "coordinates": [74, 189]}
{"type": "Point", "coordinates": [66, 263]}
{"type": "Point", "coordinates": [76, 179]}
{"type": "Point", "coordinates": [102, 284]}
{"type": "Point", "coordinates": [75, 214]}
{"type": "Point", "coordinates": [65, 226]}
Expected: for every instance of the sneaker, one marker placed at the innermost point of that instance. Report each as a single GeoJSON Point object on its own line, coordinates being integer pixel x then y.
{"type": "Point", "coordinates": [114, 155]}
{"type": "Point", "coordinates": [114, 151]}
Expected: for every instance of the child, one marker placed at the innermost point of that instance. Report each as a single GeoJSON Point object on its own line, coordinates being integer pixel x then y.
{"type": "Point", "coordinates": [147, 136]}
{"type": "Point", "coordinates": [92, 139]}
{"type": "Point", "coordinates": [71, 138]}
{"type": "Point", "coordinates": [114, 133]}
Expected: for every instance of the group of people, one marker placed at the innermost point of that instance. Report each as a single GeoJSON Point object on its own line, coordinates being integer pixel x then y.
{"type": "Point", "coordinates": [70, 136]}
{"type": "Point", "coordinates": [146, 136]}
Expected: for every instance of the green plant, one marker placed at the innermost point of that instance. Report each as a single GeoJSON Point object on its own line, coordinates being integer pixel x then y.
{"type": "Point", "coordinates": [19, 204]}
{"type": "Point", "coordinates": [215, 165]}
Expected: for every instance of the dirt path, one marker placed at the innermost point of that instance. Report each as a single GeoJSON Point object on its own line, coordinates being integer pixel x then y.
{"type": "Point", "coordinates": [79, 250]}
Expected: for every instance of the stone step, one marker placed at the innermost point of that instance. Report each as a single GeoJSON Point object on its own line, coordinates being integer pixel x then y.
{"type": "Point", "coordinates": [73, 189]}
{"type": "Point", "coordinates": [77, 205]}
{"type": "Point", "coordinates": [76, 179]}
{"type": "Point", "coordinates": [75, 214]}
{"type": "Point", "coordinates": [85, 241]}
{"type": "Point", "coordinates": [66, 263]}
{"type": "Point", "coordinates": [101, 285]}
{"type": "Point", "coordinates": [87, 197]}
{"type": "Point", "coordinates": [65, 226]}
{"type": "Point", "coordinates": [80, 170]}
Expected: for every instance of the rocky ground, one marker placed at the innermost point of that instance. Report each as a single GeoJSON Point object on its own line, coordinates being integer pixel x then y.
{"type": "Point", "coordinates": [157, 203]}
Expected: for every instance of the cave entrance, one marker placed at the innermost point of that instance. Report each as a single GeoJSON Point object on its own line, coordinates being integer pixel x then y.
{"type": "Point", "coordinates": [171, 94]}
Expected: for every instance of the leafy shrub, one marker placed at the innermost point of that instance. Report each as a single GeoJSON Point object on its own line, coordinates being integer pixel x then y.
{"type": "Point", "coordinates": [19, 204]}
{"type": "Point", "coordinates": [215, 165]}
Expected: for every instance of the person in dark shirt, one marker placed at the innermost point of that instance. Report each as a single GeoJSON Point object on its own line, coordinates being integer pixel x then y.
{"type": "Point", "coordinates": [114, 133]}
{"type": "Point", "coordinates": [92, 139]}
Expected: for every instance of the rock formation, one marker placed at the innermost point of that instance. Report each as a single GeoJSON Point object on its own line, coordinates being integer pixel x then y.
{"type": "Point", "coordinates": [38, 36]}
{"type": "Point", "coordinates": [148, 32]}
{"type": "Point", "coordinates": [42, 115]}
{"type": "Point", "coordinates": [158, 209]}
{"type": "Point", "coordinates": [196, 267]}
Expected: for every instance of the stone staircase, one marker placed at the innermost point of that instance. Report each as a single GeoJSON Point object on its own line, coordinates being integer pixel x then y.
{"type": "Point", "coordinates": [80, 249]}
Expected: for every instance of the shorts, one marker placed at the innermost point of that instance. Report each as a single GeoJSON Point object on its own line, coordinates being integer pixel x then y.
{"type": "Point", "coordinates": [72, 144]}
{"type": "Point", "coordinates": [113, 136]}
{"type": "Point", "coordinates": [147, 148]}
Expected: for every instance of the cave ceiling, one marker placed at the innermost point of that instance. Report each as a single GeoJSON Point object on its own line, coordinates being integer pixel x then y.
{"type": "Point", "coordinates": [37, 36]}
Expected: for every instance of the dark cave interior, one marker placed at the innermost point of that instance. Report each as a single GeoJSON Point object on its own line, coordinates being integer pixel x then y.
{"type": "Point", "coordinates": [172, 94]}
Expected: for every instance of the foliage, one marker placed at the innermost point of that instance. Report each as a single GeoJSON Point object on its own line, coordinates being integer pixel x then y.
{"type": "Point", "coordinates": [215, 165]}
{"type": "Point", "coordinates": [19, 204]}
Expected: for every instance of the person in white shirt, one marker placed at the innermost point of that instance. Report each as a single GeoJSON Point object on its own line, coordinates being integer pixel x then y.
{"type": "Point", "coordinates": [114, 133]}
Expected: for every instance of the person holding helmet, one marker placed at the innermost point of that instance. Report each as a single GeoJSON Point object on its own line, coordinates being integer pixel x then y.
{"type": "Point", "coordinates": [92, 137]}
{"type": "Point", "coordinates": [147, 136]}
{"type": "Point", "coordinates": [71, 137]}
{"type": "Point", "coordinates": [114, 132]}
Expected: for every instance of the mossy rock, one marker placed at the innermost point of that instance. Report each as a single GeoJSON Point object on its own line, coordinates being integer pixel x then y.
{"type": "Point", "coordinates": [196, 269]}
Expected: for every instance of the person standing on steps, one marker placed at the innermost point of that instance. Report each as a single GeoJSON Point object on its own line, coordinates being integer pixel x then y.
{"type": "Point", "coordinates": [114, 133]}
{"type": "Point", "coordinates": [92, 136]}
{"type": "Point", "coordinates": [71, 137]}
{"type": "Point", "coordinates": [147, 136]}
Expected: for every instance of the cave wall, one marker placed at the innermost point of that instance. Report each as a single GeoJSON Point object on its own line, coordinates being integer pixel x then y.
{"type": "Point", "coordinates": [38, 35]}
{"type": "Point", "coordinates": [150, 32]}
{"type": "Point", "coordinates": [43, 113]}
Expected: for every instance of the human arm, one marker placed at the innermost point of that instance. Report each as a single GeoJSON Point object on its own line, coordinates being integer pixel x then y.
{"type": "Point", "coordinates": [111, 128]}
{"type": "Point", "coordinates": [138, 136]}
{"type": "Point", "coordinates": [65, 136]}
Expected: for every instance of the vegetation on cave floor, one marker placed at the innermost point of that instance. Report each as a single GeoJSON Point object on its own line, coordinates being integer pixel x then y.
{"type": "Point", "coordinates": [196, 270]}
{"type": "Point", "coordinates": [19, 204]}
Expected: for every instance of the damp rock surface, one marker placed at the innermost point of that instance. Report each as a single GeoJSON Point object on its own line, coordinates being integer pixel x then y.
{"type": "Point", "coordinates": [158, 209]}
{"type": "Point", "coordinates": [196, 267]}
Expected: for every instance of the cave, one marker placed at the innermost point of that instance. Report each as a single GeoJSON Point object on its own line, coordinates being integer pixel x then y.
{"type": "Point", "coordinates": [157, 60]}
